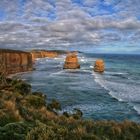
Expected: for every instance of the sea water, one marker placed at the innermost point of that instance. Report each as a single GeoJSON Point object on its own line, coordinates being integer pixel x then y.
{"type": "Point", "coordinates": [113, 95]}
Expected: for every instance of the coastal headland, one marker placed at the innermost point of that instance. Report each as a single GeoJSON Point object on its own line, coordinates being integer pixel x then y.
{"type": "Point", "coordinates": [14, 61]}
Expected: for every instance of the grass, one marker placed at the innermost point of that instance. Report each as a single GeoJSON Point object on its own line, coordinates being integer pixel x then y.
{"type": "Point", "coordinates": [25, 115]}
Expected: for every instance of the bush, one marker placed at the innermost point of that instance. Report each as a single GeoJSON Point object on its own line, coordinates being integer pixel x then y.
{"type": "Point", "coordinates": [40, 94]}
{"type": "Point", "coordinates": [7, 118]}
{"type": "Point", "coordinates": [54, 105]}
{"type": "Point", "coordinates": [35, 101]}
{"type": "Point", "coordinates": [77, 114]}
{"type": "Point", "coordinates": [14, 131]}
{"type": "Point", "coordinates": [22, 87]}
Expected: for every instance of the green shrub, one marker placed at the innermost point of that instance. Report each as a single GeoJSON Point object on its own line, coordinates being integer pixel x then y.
{"type": "Point", "coordinates": [39, 132]}
{"type": "Point", "coordinates": [40, 94]}
{"type": "Point", "coordinates": [14, 131]}
{"type": "Point", "coordinates": [7, 117]}
{"type": "Point", "coordinates": [35, 101]}
{"type": "Point", "coordinates": [77, 114]}
{"type": "Point", "coordinates": [54, 105]}
{"type": "Point", "coordinates": [23, 88]}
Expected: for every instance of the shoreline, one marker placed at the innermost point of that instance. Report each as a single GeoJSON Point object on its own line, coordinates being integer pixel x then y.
{"type": "Point", "coordinates": [30, 110]}
{"type": "Point", "coordinates": [28, 113]}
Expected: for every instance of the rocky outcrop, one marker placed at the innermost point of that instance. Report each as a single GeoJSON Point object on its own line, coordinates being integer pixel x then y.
{"type": "Point", "coordinates": [71, 61]}
{"type": "Point", "coordinates": [13, 61]}
{"type": "Point", "coordinates": [99, 66]}
{"type": "Point", "coordinates": [43, 53]}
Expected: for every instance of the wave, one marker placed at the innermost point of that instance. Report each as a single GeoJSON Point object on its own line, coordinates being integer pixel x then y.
{"type": "Point", "coordinates": [78, 71]}
{"type": "Point", "coordinates": [115, 73]}
{"type": "Point", "coordinates": [56, 73]}
{"type": "Point", "coordinates": [38, 84]}
{"type": "Point", "coordinates": [123, 92]}
{"type": "Point", "coordinates": [82, 59]}
{"type": "Point", "coordinates": [137, 108]}
{"type": "Point", "coordinates": [91, 66]}
{"type": "Point", "coordinates": [85, 108]}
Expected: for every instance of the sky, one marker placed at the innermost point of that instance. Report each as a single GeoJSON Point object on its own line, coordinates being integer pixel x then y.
{"type": "Point", "coordinates": [102, 26]}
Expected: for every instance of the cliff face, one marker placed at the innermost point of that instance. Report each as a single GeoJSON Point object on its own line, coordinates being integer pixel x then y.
{"type": "Point", "coordinates": [71, 61]}
{"type": "Point", "coordinates": [12, 61]}
{"type": "Point", "coordinates": [43, 53]}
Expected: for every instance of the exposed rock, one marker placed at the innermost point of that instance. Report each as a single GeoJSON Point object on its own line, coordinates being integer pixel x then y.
{"type": "Point", "coordinates": [13, 61]}
{"type": "Point", "coordinates": [71, 61]}
{"type": "Point", "coordinates": [99, 66]}
{"type": "Point", "coordinates": [43, 53]}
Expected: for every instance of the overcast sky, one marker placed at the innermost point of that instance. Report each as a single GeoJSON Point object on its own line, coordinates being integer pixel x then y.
{"type": "Point", "coordinates": [110, 26]}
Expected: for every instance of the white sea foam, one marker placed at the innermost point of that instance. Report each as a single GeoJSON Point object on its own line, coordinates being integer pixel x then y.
{"type": "Point", "coordinates": [82, 60]}
{"type": "Point", "coordinates": [116, 73]}
{"type": "Point", "coordinates": [137, 108]}
{"type": "Point", "coordinates": [127, 92]}
{"type": "Point", "coordinates": [56, 73]}
{"type": "Point", "coordinates": [84, 108]}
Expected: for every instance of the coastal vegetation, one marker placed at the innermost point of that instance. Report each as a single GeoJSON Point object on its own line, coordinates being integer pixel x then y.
{"type": "Point", "coordinates": [27, 115]}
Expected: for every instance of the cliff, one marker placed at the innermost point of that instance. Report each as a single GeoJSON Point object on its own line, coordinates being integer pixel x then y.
{"type": "Point", "coordinates": [71, 61]}
{"type": "Point", "coordinates": [43, 53]}
{"type": "Point", "coordinates": [13, 61]}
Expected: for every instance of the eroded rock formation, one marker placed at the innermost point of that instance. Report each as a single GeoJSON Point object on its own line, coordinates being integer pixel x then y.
{"type": "Point", "coordinates": [43, 53]}
{"type": "Point", "coordinates": [13, 61]}
{"type": "Point", "coordinates": [99, 66]}
{"type": "Point", "coordinates": [71, 61]}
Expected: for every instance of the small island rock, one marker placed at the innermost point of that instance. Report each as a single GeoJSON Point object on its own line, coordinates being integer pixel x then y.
{"type": "Point", "coordinates": [99, 66]}
{"type": "Point", "coordinates": [71, 61]}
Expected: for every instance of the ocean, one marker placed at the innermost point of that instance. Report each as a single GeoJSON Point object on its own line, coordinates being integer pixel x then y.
{"type": "Point", "coordinates": [113, 95]}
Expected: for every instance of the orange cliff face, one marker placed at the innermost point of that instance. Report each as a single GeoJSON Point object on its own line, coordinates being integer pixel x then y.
{"type": "Point", "coordinates": [13, 61]}
{"type": "Point", "coordinates": [42, 54]}
{"type": "Point", "coordinates": [71, 61]}
{"type": "Point", "coordinates": [99, 66]}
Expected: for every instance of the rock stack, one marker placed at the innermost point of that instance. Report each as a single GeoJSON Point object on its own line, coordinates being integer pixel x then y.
{"type": "Point", "coordinates": [71, 61]}
{"type": "Point", "coordinates": [99, 66]}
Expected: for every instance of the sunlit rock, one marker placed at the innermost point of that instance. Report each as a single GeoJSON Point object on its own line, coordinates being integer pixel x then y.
{"type": "Point", "coordinates": [43, 53]}
{"type": "Point", "coordinates": [13, 61]}
{"type": "Point", "coordinates": [99, 66]}
{"type": "Point", "coordinates": [71, 61]}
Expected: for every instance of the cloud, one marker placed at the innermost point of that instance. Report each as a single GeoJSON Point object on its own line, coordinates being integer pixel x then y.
{"type": "Point", "coordinates": [68, 22]}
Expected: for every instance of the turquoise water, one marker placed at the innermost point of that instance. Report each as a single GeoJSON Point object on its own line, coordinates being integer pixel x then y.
{"type": "Point", "coordinates": [114, 95]}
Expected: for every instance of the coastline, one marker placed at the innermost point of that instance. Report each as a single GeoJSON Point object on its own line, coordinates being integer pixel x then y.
{"type": "Point", "coordinates": [31, 111]}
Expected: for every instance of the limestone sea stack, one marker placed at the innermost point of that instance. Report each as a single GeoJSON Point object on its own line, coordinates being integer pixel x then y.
{"type": "Point", "coordinates": [99, 66]}
{"type": "Point", "coordinates": [71, 61]}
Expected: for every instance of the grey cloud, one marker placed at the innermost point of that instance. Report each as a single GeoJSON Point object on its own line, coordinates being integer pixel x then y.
{"type": "Point", "coordinates": [73, 24]}
{"type": "Point", "coordinates": [91, 3]}
{"type": "Point", "coordinates": [127, 8]}
{"type": "Point", "coordinates": [135, 36]}
{"type": "Point", "coordinates": [125, 24]}
{"type": "Point", "coordinates": [64, 31]}
{"type": "Point", "coordinates": [111, 36]}
{"type": "Point", "coordinates": [33, 7]}
{"type": "Point", "coordinates": [12, 27]}
{"type": "Point", "coordinates": [10, 8]}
